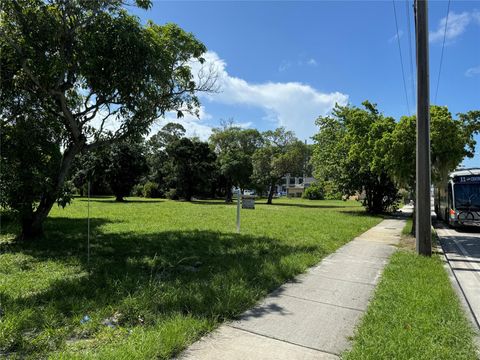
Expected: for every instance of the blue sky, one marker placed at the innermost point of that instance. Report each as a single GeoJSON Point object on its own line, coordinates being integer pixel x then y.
{"type": "Point", "coordinates": [285, 63]}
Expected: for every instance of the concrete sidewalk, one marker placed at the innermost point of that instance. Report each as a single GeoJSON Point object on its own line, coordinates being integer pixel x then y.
{"type": "Point", "coordinates": [313, 316]}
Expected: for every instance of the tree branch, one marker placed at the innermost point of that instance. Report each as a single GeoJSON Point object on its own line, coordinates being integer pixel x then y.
{"type": "Point", "coordinates": [67, 114]}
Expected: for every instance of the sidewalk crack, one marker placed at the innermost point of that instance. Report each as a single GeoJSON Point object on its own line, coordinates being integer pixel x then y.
{"type": "Point", "coordinates": [285, 341]}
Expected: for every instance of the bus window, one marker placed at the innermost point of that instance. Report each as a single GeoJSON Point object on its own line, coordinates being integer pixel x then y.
{"type": "Point", "coordinates": [467, 196]}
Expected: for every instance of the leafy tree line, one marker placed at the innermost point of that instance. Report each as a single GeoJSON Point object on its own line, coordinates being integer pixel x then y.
{"type": "Point", "coordinates": [81, 83]}
{"type": "Point", "coordinates": [171, 165]}
{"type": "Point", "coordinates": [361, 151]}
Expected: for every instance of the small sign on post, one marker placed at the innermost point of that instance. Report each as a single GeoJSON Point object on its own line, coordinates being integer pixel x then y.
{"type": "Point", "coordinates": [248, 202]}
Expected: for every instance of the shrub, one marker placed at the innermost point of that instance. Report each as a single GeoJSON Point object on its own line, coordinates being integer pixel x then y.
{"type": "Point", "coordinates": [331, 191]}
{"type": "Point", "coordinates": [172, 194]}
{"type": "Point", "coordinates": [314, 192]}
{"type": "Point", "coordinates": [152, 190]}
{"type": "Point", "coordinates": [404, 195]}
{"type": "Point", "coordinates": [137, 190]}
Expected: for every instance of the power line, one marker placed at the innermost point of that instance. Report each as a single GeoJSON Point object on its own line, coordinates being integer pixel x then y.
{"type": "Point", "coordinates": [412, 73]}
{"type": "Point", "coordinates": [401, 58]}
{"type": "Point", "coordinates": [443, 47]}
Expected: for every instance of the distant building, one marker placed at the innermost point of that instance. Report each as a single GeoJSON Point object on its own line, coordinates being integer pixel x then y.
{"type": "Point", "coordinates": [293, 186]}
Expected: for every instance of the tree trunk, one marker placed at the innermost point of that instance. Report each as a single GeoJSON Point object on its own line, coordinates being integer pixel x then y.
{"type": "Point", "coordinates": [368, 200]}
{"type": "Point", "coordinates": [119, 198]}
{"type": "Point", "coordinates": [270, 194]}
{"type": "Point", "coordinates": [28, 230]}
{"type": "Point", "coordinates": [228, 193]}
{"type": "Point", "coordinates": [189, 193]}
{"type": "Point", "coordinates": [32, 227]}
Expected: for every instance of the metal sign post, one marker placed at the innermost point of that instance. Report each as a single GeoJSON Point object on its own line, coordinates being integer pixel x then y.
{"type": "Point", "coordinates": [88, 225]}
{"type": "Point", "coordinates": [238, 210]}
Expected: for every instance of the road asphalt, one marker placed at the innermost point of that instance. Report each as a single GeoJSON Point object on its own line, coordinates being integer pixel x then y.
{"type": "Point", "coordinates": [461, 248]}
{"type": "Point", "coordinates": [313, 316]}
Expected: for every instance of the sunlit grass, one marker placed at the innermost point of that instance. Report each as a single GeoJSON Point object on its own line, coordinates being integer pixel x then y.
{"type": "Point", "coordinates": [161, 273]}
{"type": "Point", "coordinates": [415, 313]}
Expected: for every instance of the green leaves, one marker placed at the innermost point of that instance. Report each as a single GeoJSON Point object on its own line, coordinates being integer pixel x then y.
{"type": "Point", "coordinates": [350, 151]}
{"type": "Point", "coordinates": [97, 54]}
{"type": "Point", "coordinates": [451, 140]}
{"type": "Point", "coordinates": [93, 74]}
{"type": "Point", "coordinates": [281, 154]}
{"type": "Point", "coordinates": [361, 150]}
{"type": "Point", "coordinates": [192, 164]}
{"type": "Point", "coordinates": [234, 147]}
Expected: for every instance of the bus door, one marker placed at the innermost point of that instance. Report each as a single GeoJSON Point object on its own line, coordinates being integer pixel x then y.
{"type": "Point", "coordinates": [449, 202]}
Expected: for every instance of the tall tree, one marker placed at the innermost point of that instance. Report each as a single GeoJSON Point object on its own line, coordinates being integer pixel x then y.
{"type": "Point", "coordinates": [30, 152]}
{"type": "Point", "coordinates": [329, 154]}
{"type": "Point", "coordinates": [157, 158]}
{"type": "Point", "coordinates": [281, 154]}
{"type": "Point", "coordinates": [89, 169]}
{"type": "Point", "coordinates": [85, 65]}
{"type": "Point", "coordinates": [350, 149]}
{"type": "Point", "coordinates": [127, 166]}
{"type": "Point", "coordinates": [451, 141]}
{"type": "Point", "coordinates": [191, 164]}
{"type": "Point", "coordinates": [234, 147]}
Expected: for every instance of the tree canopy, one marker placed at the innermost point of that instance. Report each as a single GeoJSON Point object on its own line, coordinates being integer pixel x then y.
{"type": "Point", "coordinates": [281, 154]}
{"type": "Point", "coordinates": [126, 167]}
{"type": "Point", "coordinates": [350, 151]}
{"type": "Point", "coordinates": [234, 147]}
{"type": "Point", "coordinates": [363, 151]}
{"type": "Point", "coordinates": [192, 165]}
{"type": "Point", "coordinates": [94, 74]}
{"type": "Point", "coordinates": [451, 140]}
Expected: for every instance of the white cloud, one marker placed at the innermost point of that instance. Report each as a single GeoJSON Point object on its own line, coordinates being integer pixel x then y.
{"type": "Point", "coordinates": [302, 61]}
{"type": "Point", "coordinates": [291, 104]}
{"type": "Point", "coordinates": [243, 125]}
{"type": "Point", "coordinates": [457, 24]}
{"type": "Point", "coordinates": [193, 125]}
{"type": "Point", "coordinates": [473, 71]}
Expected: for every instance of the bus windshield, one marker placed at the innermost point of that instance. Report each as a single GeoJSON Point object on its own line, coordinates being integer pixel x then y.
{"type": "Point", "coordinates": [467, 196]}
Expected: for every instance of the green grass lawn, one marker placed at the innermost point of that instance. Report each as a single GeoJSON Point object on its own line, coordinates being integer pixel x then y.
{"type": "Point", "coordinates": [415, 313]}
{"type": "Point", "coordinates": [161, 273]}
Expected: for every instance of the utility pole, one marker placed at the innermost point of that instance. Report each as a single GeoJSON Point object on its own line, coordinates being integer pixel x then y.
{"type": "Point", "coordinates": [423, 202]}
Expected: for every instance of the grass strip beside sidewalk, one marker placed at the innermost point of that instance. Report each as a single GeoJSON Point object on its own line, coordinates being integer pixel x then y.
{"type": "Point", "coordinates": [415, 314]}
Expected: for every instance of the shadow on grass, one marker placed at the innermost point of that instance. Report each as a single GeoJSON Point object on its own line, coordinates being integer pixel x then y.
{"type": "Point", "coordinates": [126, 201]}
{"type": "Point", "coordinates": [149, 277]}
{"type": "Point", "coordinates": [213, 202]}
{"type": "Point", "coordinates": [263, 203]}
{"type": "Point", "coordinates": [312, 206]}
{"type": "Point", "coordinates": [361, 213]}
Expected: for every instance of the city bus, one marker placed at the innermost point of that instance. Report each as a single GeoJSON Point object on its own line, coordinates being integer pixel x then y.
{"type": "Point", "coordinates": [457, 202]}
